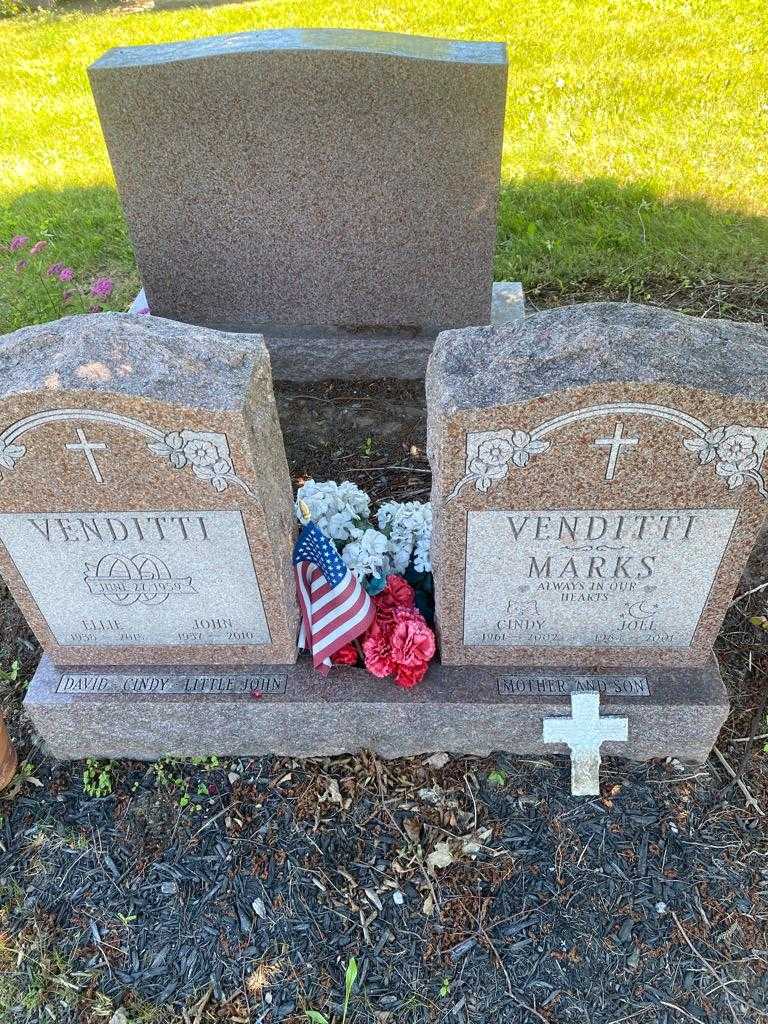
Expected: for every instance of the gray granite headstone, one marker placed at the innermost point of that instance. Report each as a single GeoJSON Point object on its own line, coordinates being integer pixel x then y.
{"type": "Point", "coordinates": [298, 178]}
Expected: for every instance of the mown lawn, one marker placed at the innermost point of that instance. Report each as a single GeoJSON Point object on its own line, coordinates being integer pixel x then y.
{"type": "Point", "coordinates": [635, 148]}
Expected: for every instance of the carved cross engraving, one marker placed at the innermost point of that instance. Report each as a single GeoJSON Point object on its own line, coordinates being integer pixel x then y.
{"type": "Point", "coordinates": [583, 733]}
{"type": "Point", "coordinates": [615, 444]}
{"type": "Point", "coordinates": [88, 448]}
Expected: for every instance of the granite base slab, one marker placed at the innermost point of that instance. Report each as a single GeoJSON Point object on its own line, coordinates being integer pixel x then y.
{"type": "Point", "coordinates": [292, 710]}
{"type": "Point", "coordinates": [305, 354]}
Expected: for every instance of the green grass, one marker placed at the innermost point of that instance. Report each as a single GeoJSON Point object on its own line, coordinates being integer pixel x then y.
{"type": "Point", "coordinates": [635, 145]}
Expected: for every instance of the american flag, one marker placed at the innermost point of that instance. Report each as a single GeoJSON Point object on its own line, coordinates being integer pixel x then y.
{"type": "Point", "coordinates": [334, 607]}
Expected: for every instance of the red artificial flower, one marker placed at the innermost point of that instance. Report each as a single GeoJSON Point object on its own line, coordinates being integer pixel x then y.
{"type": "Point", "coordinates": [401, 647]}
{"type": "Point", "coordinates": [396, 594]}
{"type": "Point", "coordinates": [408, 677]}
{"type": "Point", "coordinates": [412, 641]}
{"type": "Point", "coordinates": [376, 652]}
{"type": "Point", "coordinates": [346, 655]}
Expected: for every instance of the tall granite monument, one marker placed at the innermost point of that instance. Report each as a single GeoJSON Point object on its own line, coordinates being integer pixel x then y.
{"type": "Point", "coordinates": [335, 190]}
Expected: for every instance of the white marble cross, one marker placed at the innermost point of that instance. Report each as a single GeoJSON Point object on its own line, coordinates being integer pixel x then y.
{"type": "Point", "coordinates": [584, 732]}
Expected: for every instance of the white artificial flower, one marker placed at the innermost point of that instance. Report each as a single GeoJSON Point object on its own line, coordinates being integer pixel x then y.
{"type": "Point", "coordinates": [422, 558]}
{"type": "Point", "coordinates": [409, 526]}
{"type": "Point", "coordinates": [333, 507]}
{"type": "Point", "coordinates": [367, 556]}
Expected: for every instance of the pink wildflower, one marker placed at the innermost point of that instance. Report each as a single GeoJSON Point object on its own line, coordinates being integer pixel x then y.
{"type": "Point", "coordinates": [66, 274]}
{"type": "Point", "coordinates": [38, 247]}
{"type": "Point", "coordinates": [17, 242]}
{"type": "Point", "coordinates": [102, 287]}
{"type": "Point", "coordinates": [21, 265]}
{"type": "Point", "coordinates": [55, 269]}
{"type": "Point", "coordinates": [67, 295]}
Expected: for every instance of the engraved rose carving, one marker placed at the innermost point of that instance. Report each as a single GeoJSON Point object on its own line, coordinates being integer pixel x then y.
{"type": "Point", "coordinates": [732, 449]}
{"type": "Point", "coordinates": [490, 455]}
{"type": "Point", "coordinates": [206, 454]}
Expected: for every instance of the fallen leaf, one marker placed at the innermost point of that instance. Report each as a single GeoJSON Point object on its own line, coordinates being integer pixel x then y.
{"type": "Point", "coordinates": [440, 857]}
{"type": "Point", "coordinates": [473, 843]}
{"type": "Point", "coordinates": [428, 906]}
{"type": "Point", "coordinates": [412, 828]}
{"type": "Point", "coordinates": [259, 909]}
{"type": "Point", "coordinates": [263, 977]}
{"type": "Point", "coordinates": [373, 897]}
{"type": "Point", "coordinates": [332, 793]}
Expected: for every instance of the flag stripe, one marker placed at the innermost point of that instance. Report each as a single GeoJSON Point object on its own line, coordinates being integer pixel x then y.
{"type": "Point", "coordinates": [335, 608]}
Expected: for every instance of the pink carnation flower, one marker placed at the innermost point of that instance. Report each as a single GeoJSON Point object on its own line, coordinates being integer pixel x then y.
{"type": "Point", "coordinates": [401, 647]}
{"type": "Point", "coordinates": [377, 654]}
{"type": "Point", "coordinates": [66, 274]}
{"type": "Point", "coordinates": [17, 242]}
{"type": "Point", "coordinates": [55, 269]}
{"type": "Point", "coordinates": [412, 647]}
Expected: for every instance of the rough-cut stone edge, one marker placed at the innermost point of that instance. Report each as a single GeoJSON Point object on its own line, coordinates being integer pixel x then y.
{"type": "Point", "coordinates": [592, 343]}
{"type": "Point", "coordinates": [137, 356]}
{"type": "Point", "coordinates": [458, 710]}
{"type": "Point", "coordinates": [304, 355]}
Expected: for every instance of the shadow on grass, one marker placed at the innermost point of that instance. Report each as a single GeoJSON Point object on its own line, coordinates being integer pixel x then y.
{"type": "Point", "coordinates": [564, 240]}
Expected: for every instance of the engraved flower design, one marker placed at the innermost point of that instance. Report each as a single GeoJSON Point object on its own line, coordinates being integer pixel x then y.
{"type": "Point", "coordinates": [736, 470]}
{"type": "Point", "coordinates": [732, 449]}
{"type": "Point", "coordinates": [172, 447]}
{"type": "Point", "coordinates": [737, 447]}
{"type": "Point", "coordinates": [524, 447]}
{"type": "Point", "coordinates": [205, 454]}
{"type": "Point", "coordinates": [496, 451]}
{"type": "Point", "coordinates": [201, 453]}
{"type": "Point", "coordinates": [219, 473]}
{"type": "Point", "coordinates": [708, 447]}
{"type": "Point", "coordinates": [10, 455]}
